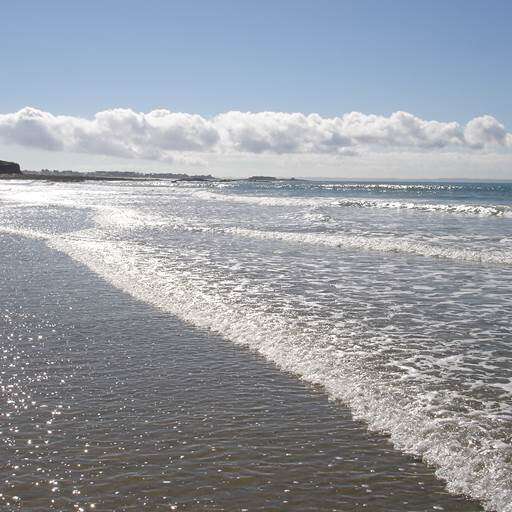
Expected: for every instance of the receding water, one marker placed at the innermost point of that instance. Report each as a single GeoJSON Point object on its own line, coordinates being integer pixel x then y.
{"type": "Point", "coordinates": [128, 310]}
{"type": "Point", "coordinates": [112, 405]}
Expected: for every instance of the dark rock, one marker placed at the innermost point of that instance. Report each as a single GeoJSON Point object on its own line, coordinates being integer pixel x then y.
{"type": "Point", "coordinates": [9, 168]}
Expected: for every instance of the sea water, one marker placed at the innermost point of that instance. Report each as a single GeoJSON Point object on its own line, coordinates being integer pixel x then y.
{"type": "Point", "coordinates": [393, 297]}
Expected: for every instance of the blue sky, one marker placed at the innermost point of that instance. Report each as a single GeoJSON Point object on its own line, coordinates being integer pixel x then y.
{"type": "Point", "coordinates": [439, 60]}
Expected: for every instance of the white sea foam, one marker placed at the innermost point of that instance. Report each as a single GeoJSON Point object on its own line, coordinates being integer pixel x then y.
{"type": "Point", "coordinates": [130, 219]}
{"type": "Point", "coordinates": [385, 244]}
{"type": "Point", "coordinates": [416, 424]}
{"type": "Point", "coordinates": [455, 208]}
{"type": "Point", "coordinates": [366, 242]}
{"type": "Point", "coordinates": [397, 385]}
{"type": "Point", "coordinates": [391, 186]}
{"type": "Point", "coordinates": [467, 209]}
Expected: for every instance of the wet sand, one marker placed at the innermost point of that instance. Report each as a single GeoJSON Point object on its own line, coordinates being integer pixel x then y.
{"type": "Point", "coordinates": [109, 404]}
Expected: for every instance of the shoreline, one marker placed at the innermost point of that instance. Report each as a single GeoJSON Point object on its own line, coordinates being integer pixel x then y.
{"type": "Point", "coordinates": [261, 420]}
{"type": "Point", "coordinates": [68, 179]}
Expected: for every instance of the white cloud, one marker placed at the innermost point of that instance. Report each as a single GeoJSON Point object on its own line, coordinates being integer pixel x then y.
{"type": "Point", "coordinates": [163, 136]}
{"type": "Point", "coordinates": [484, 131]}
{"type": "Point", "coordinates": [401, 129]}
{"type": "Point", "coordinates": [278, 132]}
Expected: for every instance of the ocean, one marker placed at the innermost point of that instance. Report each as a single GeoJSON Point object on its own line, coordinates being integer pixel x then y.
{"type": "Point", "coordinates": [284, 345]}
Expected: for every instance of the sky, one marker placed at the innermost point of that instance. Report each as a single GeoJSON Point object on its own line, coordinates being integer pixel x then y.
{"type": "Point", "coordinates": [403, 89]}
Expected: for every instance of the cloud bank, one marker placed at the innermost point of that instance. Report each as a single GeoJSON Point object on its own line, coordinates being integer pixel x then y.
{"type": "Point", "coordinates": [160, 135]}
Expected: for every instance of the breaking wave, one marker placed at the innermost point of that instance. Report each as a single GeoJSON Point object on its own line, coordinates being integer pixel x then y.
{"type": "Point", "coordinates": [466, 453]}
{"type": "Point", "coordinates": [463, 209]}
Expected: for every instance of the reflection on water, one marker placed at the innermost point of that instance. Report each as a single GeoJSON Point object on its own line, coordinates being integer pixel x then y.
{"type": "Point", "coordinates": [108, 404]}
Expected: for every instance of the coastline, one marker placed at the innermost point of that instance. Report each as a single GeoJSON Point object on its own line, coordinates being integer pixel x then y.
{"type": "Point", "coordinates": [69, 179]}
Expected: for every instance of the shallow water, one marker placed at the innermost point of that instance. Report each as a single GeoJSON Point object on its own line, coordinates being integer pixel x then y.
{"type": "Point", "coordinates": [109, 404]}
{"type": "Point", "coordinates": [394, 298]}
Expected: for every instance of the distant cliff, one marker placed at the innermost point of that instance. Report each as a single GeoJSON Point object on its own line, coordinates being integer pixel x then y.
{"type": "Point", "coordinates": [9, 168]}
